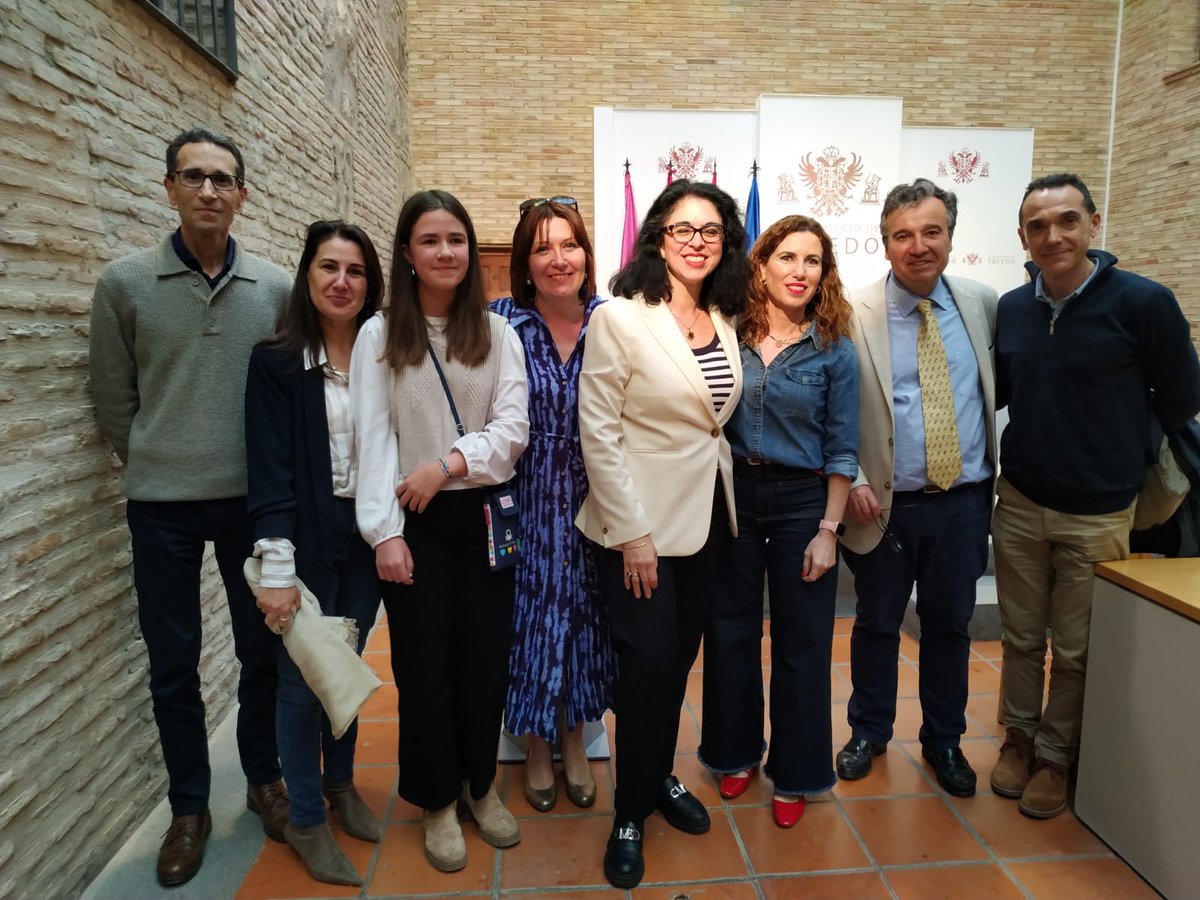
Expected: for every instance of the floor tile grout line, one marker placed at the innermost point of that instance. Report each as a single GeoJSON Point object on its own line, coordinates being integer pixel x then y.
{"type": "Point", "coordinates": [727, 808]}
{"type": "Point", "coordinates": [971, 830]}
{"type": "Point", "coordinates": [862, 845]}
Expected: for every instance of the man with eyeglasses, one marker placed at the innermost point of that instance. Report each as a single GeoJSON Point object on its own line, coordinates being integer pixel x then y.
{"type": "Point", "coordinates": [171, 334]}
{"type": "Point", "coordinates": [920, 507]}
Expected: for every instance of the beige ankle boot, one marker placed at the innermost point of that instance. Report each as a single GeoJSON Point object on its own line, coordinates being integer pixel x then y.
{"type": "Point", "coordinates": [321, 855]}
{"type": "Point", "coordinates": [496, 824]}
{"type": "Point", "coordinates": [444, 845]}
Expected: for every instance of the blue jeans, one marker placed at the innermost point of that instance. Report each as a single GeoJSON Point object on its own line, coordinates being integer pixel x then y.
{"type": "Point", "coordinates": [943, 550]}
{"type": "Point", "coordinates": [300, 724]}
{"type": "Point", "coordinates": [168, 548]}
{"type": "Point", "coordinates": [778, 511]}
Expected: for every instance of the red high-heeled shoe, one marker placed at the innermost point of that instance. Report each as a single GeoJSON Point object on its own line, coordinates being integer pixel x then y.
{"type": "Point", "coordinates": [735, 785]}
{"type": "Point", "coordinates": [787, 814]}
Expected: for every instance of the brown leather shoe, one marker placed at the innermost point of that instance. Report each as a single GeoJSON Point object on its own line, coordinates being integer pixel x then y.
{"type": "Point", "coordinates": [182, 849]}
{"type": "Point", "coordinates": [270, 802]}
{"type": "Point", "coordinates": [1015, 766]}
{"type": "Point", "coordinates": [1046, 794]}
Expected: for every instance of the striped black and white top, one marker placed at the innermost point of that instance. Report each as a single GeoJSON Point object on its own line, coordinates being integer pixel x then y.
{"type": "Point", "coordinates": [717, 372]}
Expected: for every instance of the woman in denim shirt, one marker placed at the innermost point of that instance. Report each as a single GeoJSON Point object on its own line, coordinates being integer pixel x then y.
{"type": "Point", "coordinates": [794, 439]}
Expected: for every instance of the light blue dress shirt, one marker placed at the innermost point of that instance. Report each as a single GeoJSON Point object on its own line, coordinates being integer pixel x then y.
{"type": "Point", "coordinates": [904, 323]}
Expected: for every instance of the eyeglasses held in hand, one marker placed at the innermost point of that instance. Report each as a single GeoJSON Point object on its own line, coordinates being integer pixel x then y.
{"type": "Point", "coordinates": [890, 536]}
{"type": "Point", "coordinates": [195, 178]}
{"type": "Point", "coordinates": [535, 202]}
{"type": "Point", "coordinates": [712, 233]}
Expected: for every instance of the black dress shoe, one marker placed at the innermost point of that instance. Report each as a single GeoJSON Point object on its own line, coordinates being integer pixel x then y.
{"type": "Point", "coordinates": [854, 760]}
{"type": "Point", "coordinates": [681, 809]}
{"type": "Point", "coordinates": [623, 863]}
{"type": "Point", "coordinates": [954, 773]}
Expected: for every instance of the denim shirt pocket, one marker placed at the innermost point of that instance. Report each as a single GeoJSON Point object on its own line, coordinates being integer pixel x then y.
{"type": "Point", "coordinates": [803, 394]}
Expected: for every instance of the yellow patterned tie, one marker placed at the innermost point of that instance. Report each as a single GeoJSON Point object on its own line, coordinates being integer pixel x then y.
{"type": "Point", "coordinates": [943, 458]}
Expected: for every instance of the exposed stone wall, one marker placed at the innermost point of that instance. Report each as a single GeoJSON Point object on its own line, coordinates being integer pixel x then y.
{"type": "Point", "coordinates": [502, 98]}
{"type": "Point", "coordinates": [1154, 210]}
{"type": "Point", "coordinates": [90, 92]}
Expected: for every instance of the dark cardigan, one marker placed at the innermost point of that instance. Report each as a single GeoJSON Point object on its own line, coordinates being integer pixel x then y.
{"type": "Point", "coordinates": [287, 452]}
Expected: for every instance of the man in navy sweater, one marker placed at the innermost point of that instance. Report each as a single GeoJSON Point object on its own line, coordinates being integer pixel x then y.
{"type": "Point", "coordinates": [1085, 353]}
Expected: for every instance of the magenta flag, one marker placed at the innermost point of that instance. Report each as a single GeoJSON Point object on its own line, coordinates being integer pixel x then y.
{"type": "Point", "coordinates": [629, 232]}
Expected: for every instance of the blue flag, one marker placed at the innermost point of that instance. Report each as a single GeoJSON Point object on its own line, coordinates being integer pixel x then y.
{"type": "Point", "coordinates": [752, 225]}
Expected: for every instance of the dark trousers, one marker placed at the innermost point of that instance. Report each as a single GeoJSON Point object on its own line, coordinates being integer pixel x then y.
{"type": "Point", "coordinates": [778, 513]}
{"type": "Point", "coordinates": [168, 547]}
{"type": "Point", "coordinates": [304, 733]}
{"type": "Point", "coordinates": [451, 631]}
{"type": "Point", "coordinates": [656, 641]}
{"type": "Point", "coordinates": [943, 538]}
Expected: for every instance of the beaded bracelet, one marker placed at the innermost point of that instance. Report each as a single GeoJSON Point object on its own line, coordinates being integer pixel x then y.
{"type": "Point", "coordinates": [445, 468]}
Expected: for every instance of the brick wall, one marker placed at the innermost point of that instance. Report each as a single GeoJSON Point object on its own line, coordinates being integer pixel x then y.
{"type": "Point", "coordinates": [502, 99]}
{"type": "Point", "coordinates": [1154, 211]}
{"type": "Point", "coordinates": [90, 91]}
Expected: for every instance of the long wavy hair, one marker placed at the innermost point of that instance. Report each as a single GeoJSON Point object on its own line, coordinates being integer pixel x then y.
{"type": "Point", "coordinates": [829, 308]}
{"type": "Point", "coordinates": [468, 337]}
{"type": "Point", "coordinates": [646, 273]}
{"type": "Point", "coordinates": [299, 326]}
{"type": "Point", "coordinates": [526, 235]}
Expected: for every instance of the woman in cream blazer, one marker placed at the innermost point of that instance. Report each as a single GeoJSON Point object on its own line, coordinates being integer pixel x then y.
{"type": "Point", "coordinates": [661, 375]}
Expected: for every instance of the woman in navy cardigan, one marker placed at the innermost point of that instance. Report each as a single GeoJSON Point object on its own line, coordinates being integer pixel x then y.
{"type": "Point", "coordinates": [300, 449]}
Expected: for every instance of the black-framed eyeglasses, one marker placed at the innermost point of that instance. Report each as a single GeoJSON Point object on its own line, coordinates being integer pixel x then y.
{"type": "Point", "coordinates": [535, 202]}
{"type": "Point", "coordinates": [195, 178]}
{"type": "Point", "coordinates": [893, 540]}
{"type": "Point", "coordinates": [712, 233]}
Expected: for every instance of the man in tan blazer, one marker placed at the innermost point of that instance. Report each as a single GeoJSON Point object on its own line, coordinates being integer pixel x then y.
{"type": "Point", "coordinates": [921, 505]}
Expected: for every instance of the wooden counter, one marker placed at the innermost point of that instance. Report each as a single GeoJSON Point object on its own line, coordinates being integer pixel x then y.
{"type": "Point", "coordinates": [1173, 583]}
{"type": "Point", "coordinates": [1139, 784]}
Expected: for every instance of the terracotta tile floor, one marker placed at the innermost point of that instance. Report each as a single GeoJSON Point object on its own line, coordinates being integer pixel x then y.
{"type": "Point", "coordinates": [892, 834]}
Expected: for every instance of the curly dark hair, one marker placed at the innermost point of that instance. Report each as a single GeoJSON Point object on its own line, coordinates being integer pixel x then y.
{"type": "Point", "coordinates": [725, 288]}
{"type": "Point", "coordinates": [829, 309]}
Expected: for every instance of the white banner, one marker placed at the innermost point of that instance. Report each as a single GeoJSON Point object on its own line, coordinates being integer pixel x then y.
{"type": "Point", "coordinates": [835, 159]}
{"type": "Point", "coordinates": [692, 142]}
{"type": "Point", "coordinates": [988, 169]}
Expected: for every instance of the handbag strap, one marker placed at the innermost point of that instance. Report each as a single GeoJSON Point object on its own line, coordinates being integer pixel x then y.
{"type": "Point", "coordinates": [446, 387]}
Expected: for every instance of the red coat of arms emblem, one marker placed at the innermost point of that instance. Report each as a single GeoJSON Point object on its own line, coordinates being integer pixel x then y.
{"type": "Point", "coordinates": [830, 179]}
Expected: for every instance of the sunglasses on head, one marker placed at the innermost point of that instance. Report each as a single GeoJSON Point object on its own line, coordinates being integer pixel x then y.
{"type": "Point", "coordinates": [535, 202]}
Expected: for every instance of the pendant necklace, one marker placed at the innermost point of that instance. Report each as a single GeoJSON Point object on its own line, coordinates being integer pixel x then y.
{"type": "Point", "coordinates": [687, 329]}
{"type": "Point", "coordinates": [783, 342]}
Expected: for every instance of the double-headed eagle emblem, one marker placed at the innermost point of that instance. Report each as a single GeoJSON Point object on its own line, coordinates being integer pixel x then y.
{"type": "Point", "coordinates": [830, 179]}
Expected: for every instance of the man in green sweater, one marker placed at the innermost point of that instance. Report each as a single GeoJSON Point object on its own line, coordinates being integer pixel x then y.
{"type": "Point", "coordinates": [172, 330]}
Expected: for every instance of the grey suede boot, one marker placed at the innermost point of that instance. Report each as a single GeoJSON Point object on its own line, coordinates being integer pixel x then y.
{"type": "Point", "coordinates": [321, 855]}
{"type": "Point", "coordinates": [356, 817]}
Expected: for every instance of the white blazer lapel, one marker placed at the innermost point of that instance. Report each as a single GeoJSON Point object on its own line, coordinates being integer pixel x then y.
{"type": "Point", "coordinates": [663, 328]}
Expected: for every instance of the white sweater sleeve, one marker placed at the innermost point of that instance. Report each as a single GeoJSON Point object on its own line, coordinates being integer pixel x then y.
{"type": "Point", "coordinates": [378, 510]}
{"type": "Point", "coordinates": [492, 453]}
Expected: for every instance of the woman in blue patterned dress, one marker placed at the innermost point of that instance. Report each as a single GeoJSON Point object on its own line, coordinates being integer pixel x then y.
{"type": "Point", "coordinates": [561, 662]}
